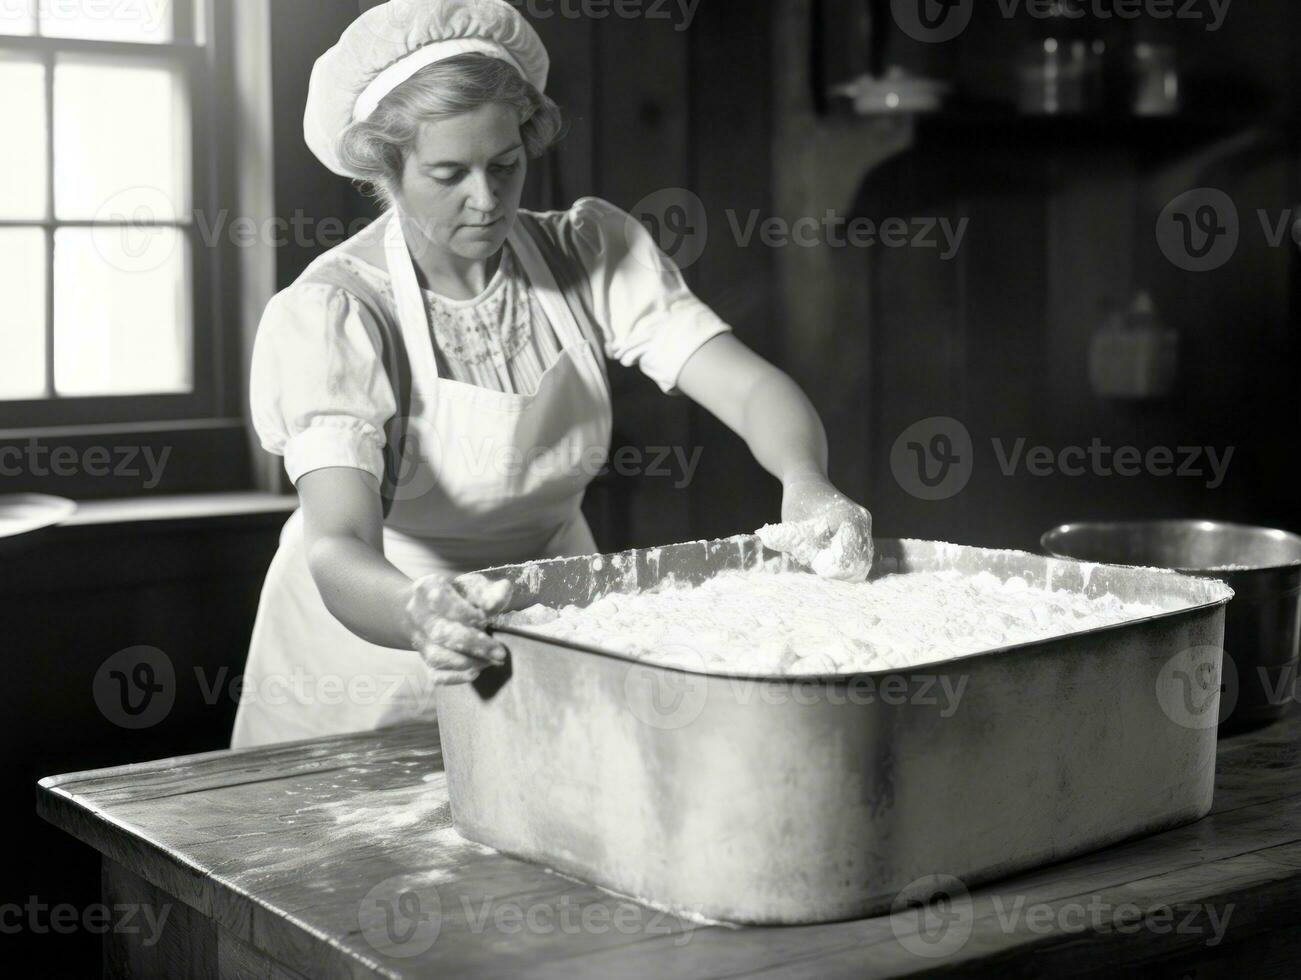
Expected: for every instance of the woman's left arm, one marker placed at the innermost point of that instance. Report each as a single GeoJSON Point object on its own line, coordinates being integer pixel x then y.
{"type": "Point", "coordinates": [762, 405]}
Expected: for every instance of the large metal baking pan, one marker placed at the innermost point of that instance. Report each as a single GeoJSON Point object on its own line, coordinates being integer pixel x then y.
{"type": "Point", "coordinates": [799, 800]}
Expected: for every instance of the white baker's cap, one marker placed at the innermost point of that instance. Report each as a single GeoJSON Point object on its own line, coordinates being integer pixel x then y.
{"type": "Point", "coordinates": [389, 43]}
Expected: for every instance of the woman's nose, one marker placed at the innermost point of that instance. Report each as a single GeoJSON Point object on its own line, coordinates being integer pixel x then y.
{"type": "Point", "coordinates": [483, 196]}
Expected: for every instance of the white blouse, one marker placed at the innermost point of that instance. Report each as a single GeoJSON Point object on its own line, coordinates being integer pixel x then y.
{"type": "Point", "coordinates": [318, 389]}
{"type": "Point", "coordinates": [499, 339]}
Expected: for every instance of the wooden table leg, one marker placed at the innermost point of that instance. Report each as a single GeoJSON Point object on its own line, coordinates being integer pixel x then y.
{"type": "Point", "coordinates": [154, 935]}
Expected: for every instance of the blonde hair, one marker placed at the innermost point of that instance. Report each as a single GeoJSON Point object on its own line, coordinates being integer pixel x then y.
{"type": "Point", "coordinates": [377, 148]}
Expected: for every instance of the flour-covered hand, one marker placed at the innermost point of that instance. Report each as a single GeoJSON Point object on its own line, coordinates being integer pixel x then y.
{"type": "Point", "coordinates": [448, 618]}
{"type": "Point", "coordinates": [823, 529]}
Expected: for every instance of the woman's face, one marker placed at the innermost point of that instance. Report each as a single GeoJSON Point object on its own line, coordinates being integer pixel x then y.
{"type": "Point", "coordinates": [463, 179]}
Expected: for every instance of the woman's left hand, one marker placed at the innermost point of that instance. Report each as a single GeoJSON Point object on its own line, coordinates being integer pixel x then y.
{"type": "Point", "coordinates": [824, 529]}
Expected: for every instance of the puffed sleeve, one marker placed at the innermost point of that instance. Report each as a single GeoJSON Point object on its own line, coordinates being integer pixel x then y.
{"type": "Point", "coordinates": [318, 390]}
{"type": "Point", "coordinates": [649, 316]}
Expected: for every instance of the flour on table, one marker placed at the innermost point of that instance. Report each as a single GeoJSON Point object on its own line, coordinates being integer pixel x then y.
{"type": "Point", "coordinates": [792, 623]}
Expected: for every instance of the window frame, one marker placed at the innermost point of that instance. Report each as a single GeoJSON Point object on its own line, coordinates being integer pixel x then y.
{"type": "Point", "coordinates": [206, 70]}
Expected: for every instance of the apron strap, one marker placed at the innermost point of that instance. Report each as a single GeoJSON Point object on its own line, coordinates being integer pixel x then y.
{"type": "Point", "coordinates": [571, 281]}
{"type": "Point", "coordinates": [413, 317]}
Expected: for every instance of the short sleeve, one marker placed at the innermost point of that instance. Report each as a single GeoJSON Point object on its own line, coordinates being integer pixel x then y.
{"type": "Point", "coordinates": [650, 318]}
{"type": "Point", "coordinates": [318, 390]}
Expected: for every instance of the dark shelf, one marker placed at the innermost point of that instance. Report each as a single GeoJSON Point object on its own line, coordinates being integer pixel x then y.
{"type": "Point", "coordinates": [999, 127]}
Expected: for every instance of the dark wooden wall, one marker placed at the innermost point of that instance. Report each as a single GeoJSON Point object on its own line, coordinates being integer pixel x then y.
{"type": "Point", "coordinates": [1062, 220]}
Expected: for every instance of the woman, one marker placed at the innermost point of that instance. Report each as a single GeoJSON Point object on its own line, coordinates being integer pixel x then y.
{"type": "Point", "coordinates": [437, 386]}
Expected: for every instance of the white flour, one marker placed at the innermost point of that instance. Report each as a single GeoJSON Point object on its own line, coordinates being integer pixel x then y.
{"type": "Point", "coordinates": [844, 553]}
{"type": "Point", "coordinates": [793, 623]}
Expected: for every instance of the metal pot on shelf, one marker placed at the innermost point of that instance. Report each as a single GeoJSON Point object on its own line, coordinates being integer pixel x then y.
{"type": "Point", "coordinates": [1262, 627]}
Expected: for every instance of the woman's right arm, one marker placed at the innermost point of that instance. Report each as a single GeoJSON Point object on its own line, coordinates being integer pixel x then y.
{"type": "Point", "coordinates": [343, 529]}
{"type": "Point", "coordinates": [320, 398]}
{"type": "Point", "coordinates": [342, 525]}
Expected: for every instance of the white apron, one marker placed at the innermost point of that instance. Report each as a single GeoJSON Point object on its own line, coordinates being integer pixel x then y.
{"type": "Point", "coordinates": [487, 478]}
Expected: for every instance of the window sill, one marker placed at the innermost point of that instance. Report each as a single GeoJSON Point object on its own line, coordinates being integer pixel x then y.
{"type": "Point", "coordinates": [124, 544]}
{"type": "Point", "coordinates": [183, 507]}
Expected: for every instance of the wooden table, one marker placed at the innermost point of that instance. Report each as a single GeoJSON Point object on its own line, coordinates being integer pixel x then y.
{"type": "Point", "coordinates": [337, 859]}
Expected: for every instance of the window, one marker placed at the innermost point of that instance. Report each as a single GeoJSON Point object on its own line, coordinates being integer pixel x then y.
{"type": "Point", "coordinates": [103, 167]}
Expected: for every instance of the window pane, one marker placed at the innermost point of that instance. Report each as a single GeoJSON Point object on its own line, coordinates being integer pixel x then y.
{"type": "Point", "coordinates": [22, 150]}
{"type": "Point", "coordinates": [121, 142]}
{"type": "Point", "coordinates": [16, 16]}
{"type": "Point", "coordinates": [121, 311]}
{"type": "Point", "coordinates": [108, 20]}
{"type": "Point", "coordinates": [22, 312]}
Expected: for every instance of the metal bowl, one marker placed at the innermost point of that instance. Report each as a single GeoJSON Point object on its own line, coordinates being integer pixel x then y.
{"type": "Point", "coordinates": [1262, 628]}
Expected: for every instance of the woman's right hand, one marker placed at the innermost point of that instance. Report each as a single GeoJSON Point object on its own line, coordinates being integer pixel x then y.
{"type": "Point", "coordinates": [448, 618]}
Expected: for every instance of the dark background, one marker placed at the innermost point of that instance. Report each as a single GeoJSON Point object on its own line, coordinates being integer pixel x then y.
{"type": "Point", "coordinates": [1062, 215]}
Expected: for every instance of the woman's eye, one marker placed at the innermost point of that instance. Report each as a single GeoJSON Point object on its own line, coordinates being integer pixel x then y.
{"type": "Point", "coordinates": [502, 169]}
